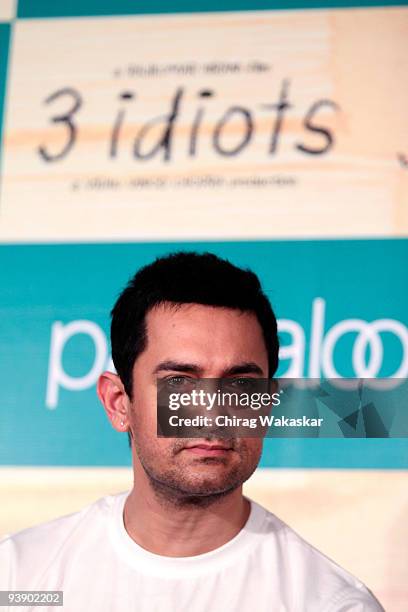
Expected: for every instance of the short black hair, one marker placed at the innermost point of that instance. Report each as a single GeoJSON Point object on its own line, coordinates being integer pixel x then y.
{"type": "Point", "coordinates": [185, 278]}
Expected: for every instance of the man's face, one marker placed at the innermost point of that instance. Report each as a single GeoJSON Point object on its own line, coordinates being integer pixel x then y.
{"type": "Point", "coordinates": [194, 341]}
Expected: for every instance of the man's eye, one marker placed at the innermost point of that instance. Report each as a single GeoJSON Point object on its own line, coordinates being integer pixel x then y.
{"type": "Point", "coordinates": [241, 383]}
{"type": "Point", "coordinates": [180, 382]}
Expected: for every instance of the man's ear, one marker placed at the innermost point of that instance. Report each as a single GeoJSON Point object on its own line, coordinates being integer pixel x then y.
{"type": "Point", "coordinates": [114, 399]}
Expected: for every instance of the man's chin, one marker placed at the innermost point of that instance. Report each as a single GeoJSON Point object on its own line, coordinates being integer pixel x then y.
{"type": "Point", "coordinates": [204, 495]}
{"type": "Point", "coordinates": [196, 488]}
{"type": "Point", "coordinates": [214, 485]}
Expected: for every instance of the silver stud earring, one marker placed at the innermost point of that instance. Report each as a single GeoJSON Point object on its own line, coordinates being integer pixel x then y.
{"type": "Point", "coordinates": [122, 423]}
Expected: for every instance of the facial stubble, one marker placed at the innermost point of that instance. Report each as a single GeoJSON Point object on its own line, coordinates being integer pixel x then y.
{"type": "Point", "coordinates": [173, 487]}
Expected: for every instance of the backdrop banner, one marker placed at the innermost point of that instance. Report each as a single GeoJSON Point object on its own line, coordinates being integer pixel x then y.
{"type": "Point", "coordinates": [279, 123]}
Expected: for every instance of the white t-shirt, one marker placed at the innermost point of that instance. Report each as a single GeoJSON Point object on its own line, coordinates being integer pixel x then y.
{"type": "Point", "coordinates": [89, 555]}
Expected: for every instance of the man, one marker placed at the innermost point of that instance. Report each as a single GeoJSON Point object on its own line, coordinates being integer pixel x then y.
{"type": "Point", "coordinates": [184, 538]}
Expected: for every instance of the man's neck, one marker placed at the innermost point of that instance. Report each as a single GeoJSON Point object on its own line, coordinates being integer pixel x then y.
{"type": "Point", "coordinates": [184, 527]}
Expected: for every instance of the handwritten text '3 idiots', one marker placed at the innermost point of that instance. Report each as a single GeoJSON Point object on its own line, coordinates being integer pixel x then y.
{"type": "Point", "coordinates": [155, 138]}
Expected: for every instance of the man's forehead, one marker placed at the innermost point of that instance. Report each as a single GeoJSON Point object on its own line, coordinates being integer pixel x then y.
{"type": "Point", "coordinates": [204, 337]}
{"type": "Point", "coordinates": [189, 310]}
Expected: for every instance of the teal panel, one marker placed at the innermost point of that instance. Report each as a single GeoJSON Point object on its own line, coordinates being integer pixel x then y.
{"type": "Point", "coordinates": [74, 8]}
{"type": "Point", "coordinates": [42, 284]}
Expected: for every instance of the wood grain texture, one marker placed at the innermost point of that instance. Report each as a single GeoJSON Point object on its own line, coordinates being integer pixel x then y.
{"type": "Point", "coordinates": [355, 58]}
{"type": "Point", "coordinates": [7, 9]}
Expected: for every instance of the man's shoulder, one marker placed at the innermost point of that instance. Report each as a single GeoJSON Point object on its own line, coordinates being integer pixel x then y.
{"type": "Point", "coordinates": [39, 545]}
{"type": "Point", "coordinates": [305, 564]}
{"type": "Point", "coordinates": [302, 556]}
{"type": "Point", "coordinates": [64, 524]}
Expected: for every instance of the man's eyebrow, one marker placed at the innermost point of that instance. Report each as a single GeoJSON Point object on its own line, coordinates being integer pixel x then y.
{"type": "Point", "coordinates": [249, 367]}
{"type": "Point", "coordinates": [176, 366]}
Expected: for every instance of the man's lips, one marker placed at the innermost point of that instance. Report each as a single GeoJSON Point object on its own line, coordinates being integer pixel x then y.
{"type": "Point", "coordinates": [208, 450]}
